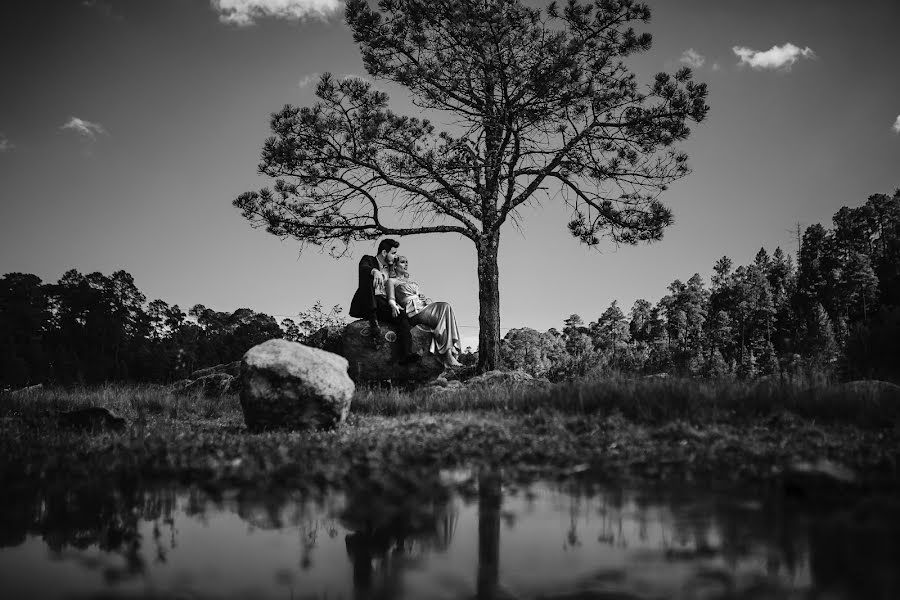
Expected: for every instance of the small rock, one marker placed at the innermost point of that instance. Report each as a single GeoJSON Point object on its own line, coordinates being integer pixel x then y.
{"type": "Point", "coordinates": [213, 385]}
{"type": "Point", "coordinates": [31, 389]}
{"type": "Point", "coordinates": [91, 418]}
{"type": "Point", "coordinates": [495, 378]}
{"type": "Point", "coordinates": [232, 368]}
{"type": "Point", "coordinates": [655, 376]}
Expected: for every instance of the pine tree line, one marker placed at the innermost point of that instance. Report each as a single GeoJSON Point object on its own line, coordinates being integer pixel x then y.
{"type": "Point", "coordinates": [835, 311]}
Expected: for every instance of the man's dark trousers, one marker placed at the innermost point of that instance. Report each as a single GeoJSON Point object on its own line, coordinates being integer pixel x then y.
{"type": "Point", "coordinates": [383, 314]}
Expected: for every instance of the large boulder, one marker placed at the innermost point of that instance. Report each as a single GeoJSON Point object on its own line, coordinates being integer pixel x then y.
{"type": "Point", "coordinates": [286, 385]}
{"type": "Point", "coordinates": [368, 363]}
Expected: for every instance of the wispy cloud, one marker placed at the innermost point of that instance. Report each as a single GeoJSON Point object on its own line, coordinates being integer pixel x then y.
{"type": "Point", "coordinates": [776, 57]}
{"type": "Point", "coordinates": [85, 128]}
{"type": "Point", "coordinates": [896, 125]}
{"type": "Point", "coordinates": [245, 12]}
{"type": "Point", "coordinates": [5, 144]}
{"type": "Point", "coordinates": [692, 58]}
{"type": "Point", "coordinates": [308, 79]}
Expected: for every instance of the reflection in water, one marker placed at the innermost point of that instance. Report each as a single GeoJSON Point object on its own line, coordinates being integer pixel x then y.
{"type": "Point", "coordinates": [385, 537]}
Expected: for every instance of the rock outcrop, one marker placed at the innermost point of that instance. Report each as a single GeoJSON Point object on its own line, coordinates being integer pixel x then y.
{"type": "Point", "coordinates": [368, 363]}
{"type": "Point", "coordinates": [211, 382]}
{"type": "Point", "coordinates": [212, 385]}
{"type": "Point", "coordinates": [505, 378]}
{"type": "Point", "coordinates": [286, 385]}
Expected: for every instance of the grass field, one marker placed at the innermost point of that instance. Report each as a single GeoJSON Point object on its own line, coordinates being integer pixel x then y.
{"type": "Point", "coordinates": [665, 429]}
{"type": "Point", "coordinates": [639, 400]}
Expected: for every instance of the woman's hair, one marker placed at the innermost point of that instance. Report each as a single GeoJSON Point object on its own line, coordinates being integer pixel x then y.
{"type": "Point", "coordinates": [392, 270]}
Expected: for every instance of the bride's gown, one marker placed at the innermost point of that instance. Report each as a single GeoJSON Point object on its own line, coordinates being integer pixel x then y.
{"type": "Point", "coordinates": [437, 315]}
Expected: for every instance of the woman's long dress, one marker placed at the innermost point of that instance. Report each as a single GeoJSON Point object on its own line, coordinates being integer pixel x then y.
{"type": "Point", "coordinates": [437, 315]}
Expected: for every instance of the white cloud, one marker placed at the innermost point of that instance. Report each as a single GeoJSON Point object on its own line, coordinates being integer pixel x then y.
{"type": "Point", "coordinates": [776, 57]}
{"type": "Point", "coordinates": [896, 125]}
{"type": "Point", "coordinates": [716, 67]}
{"type": "Point", "coordinates": [5, 144]}
{"type": "Point", "coordinates": [692, 58]}
{"type": "Point", "coordinates": [85, 128]}
{"type": "Point", "coordinates": [308, 79]}
{"type": "Point", "coordinates": [244, 12]}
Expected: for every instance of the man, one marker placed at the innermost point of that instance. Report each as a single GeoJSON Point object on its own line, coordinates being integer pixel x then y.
{"type": "Point", "coordinates": [370, 301]}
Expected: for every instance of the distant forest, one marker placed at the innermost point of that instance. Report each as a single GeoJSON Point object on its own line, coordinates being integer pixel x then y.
{"type": "Point", "coordinates": [833, 310]}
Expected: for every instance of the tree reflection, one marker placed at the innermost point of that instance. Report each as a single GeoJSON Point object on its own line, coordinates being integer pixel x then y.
{"type": "Point", "coordinates": [489, 502]}
{"type": "Point", "coordinates": [395, 520]}
{"type": "Point", "coordinates": [89, 514]}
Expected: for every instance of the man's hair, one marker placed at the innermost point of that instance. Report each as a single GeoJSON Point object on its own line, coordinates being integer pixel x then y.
{"type": "Point", "coordinates": [387, 244]}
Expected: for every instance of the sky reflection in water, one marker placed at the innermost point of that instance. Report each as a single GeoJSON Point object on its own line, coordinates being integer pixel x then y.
{"type": "Point", "coordinates": [481, 541]}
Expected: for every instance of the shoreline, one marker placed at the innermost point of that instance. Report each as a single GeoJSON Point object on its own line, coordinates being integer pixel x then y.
{"type": "Point", "coordinates": [204, 442]}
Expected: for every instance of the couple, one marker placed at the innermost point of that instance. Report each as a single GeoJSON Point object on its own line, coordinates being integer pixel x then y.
{"type": "Point", "coordinates": [385, 292]}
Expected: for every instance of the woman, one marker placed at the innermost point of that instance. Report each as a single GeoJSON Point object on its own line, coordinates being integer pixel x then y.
{"type": "Point", "coordinates": [405, 294]}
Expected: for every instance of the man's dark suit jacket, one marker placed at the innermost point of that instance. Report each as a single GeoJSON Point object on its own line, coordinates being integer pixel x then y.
{"type": "Point", "coordinates": [363, 304]}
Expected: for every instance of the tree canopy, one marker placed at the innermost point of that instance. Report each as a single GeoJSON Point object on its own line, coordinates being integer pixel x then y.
{"type": "Point", "coordinates": [535, 104]}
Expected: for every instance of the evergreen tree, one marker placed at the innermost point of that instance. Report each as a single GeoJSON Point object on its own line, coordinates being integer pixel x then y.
{"type": "Point", "coordinates": [639, 325]}
{"type": "Point", "coordinates": [24, 322]}
{"type": "Point", "coordinates": [535, 99]}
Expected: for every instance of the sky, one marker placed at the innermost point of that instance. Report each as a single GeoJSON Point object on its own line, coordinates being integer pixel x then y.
{"type": "Point", "coordinates": [128, 127]}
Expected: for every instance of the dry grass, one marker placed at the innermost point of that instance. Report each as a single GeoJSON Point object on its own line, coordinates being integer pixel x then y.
{"type": "Point", "coordinates": [640, 400]}
{"type": "Point", "coordinates": [652, 401]}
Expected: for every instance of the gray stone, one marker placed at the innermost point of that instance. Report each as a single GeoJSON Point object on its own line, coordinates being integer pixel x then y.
{"type": "Point", "coordinates": [31, 389]}
{"type": "Point", "coordinates": [286, 385]}
{"type": "Point", "coordinates": [368, 363]}
{"type": "Point", "coordinates": [92, 418]}
{"type": "Point", "coordinates": [654, 376]}
{"type": "Point", "coordinates": [232, 368]}
{"type": "Point", "coordinates": [504, 378]}
{"type": "Point", "coordinates": [208, 386]}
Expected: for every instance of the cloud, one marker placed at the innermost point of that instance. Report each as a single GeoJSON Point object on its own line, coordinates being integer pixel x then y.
{"type": "Point", "coordinates": [776, 57]}
{"type": "Point", "coordinates": [308, 79]}
{"type": "Point", "coordinates": [245, 12]}
{"type": "Point", "coordinates": [692, 58]}
{"type": "Point", "coordinates": [85, 128]}
{"type": "Point", "coordinates": [896, 125]}
{"type": "Point", "coordinates": [5, 144]}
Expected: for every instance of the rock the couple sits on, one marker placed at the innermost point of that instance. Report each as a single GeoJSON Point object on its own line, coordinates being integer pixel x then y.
{"type": "Point", "coordinates": [386, 293]}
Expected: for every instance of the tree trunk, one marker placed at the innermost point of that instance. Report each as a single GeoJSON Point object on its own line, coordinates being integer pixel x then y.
{"type": "Point", "coordinates": [488, 303]}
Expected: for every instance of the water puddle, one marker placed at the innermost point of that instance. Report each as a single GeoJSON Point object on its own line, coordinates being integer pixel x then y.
{"type": "Point", "coordinates": [473, 539]}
